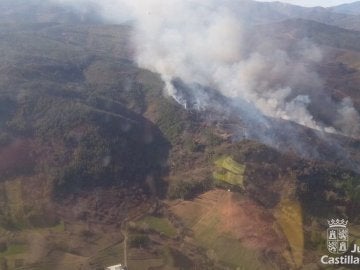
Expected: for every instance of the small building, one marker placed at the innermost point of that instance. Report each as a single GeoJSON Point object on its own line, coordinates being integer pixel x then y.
{"type": "Point", "coordinates": [116, 267]}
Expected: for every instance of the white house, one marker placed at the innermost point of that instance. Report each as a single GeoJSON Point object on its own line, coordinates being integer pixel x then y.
{"type": "Point", "coordinates": [116, 267]}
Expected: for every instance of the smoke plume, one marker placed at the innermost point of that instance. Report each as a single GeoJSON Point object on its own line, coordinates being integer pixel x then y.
{"type": "Point", "coordinates": [207, 45]}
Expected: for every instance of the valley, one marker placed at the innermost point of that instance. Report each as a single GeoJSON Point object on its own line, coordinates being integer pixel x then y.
{"type": "Point", "coordinates": [93, 150]}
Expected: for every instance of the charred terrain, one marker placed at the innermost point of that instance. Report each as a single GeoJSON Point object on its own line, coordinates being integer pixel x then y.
{"type": "Point", "coordinates": [89, 140]}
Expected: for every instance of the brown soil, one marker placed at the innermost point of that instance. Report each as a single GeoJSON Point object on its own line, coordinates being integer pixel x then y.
{"type": "Point", "coordinates": [239, 216]}
{"type": "Point", "coordinates": [252, 224]}
{"type": "Point", "coordinates": [15, 156]}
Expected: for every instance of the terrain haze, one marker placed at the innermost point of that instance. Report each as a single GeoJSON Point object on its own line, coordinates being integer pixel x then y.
{"type": "Point", "coordinates": [190, 134]}
{"type": "Point", "coordinates": [310, 3]}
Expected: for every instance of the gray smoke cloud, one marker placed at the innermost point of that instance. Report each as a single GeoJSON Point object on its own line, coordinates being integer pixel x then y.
{"type": "Point", "coordinates": [207, 44]}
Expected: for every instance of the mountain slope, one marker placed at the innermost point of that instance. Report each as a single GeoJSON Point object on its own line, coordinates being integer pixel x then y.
{"type": "Point", "coordinates": [89, 143]}
{"type": "Point", "coordinates": [250, 11]}
{"type": "Point", "coordinates": [35, 11]}
{"type": "Point", "coordinates": [351, 8]}
{"type": "Point", "coordinates": [265, 12]}
{"type": "Point", "coordinates": [318, 14]}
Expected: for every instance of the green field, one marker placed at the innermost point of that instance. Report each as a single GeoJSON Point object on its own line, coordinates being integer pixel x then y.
{"type": "Point", "coordinates": [158, 224]}
{"type": "Point", "coordinates": [208, 232]}
{"type": "Point", "coordinates": [229, 171]}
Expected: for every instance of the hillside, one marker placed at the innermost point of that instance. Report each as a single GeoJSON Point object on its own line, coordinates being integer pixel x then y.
{"type": "Point", "coordinates": [340, 48]}
{"type": "Point", "coordinates": [254, 12]}
{"type": "Point", "coordinates": [36, 11]}
{"type": "Point", "coordinates": [319, 14]}
{"type": "Point", "coordinates": [267, 12]}
{"type": "Point", "coordinates": [351, 8]}
{"type": "Point", "coordinates": [92, 151]}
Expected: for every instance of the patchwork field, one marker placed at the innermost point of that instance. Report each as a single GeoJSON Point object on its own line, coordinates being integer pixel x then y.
{"type": "Point", "coordinates": [234, 230]}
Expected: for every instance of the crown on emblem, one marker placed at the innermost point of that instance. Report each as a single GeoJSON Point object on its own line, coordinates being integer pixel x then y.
{"type": "Point", "coordinates": [337, 223]}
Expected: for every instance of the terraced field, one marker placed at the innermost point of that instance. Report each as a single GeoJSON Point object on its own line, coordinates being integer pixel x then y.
{"type": "Point", "coordinates": [229, 171]}
{"type": "Point", "coordinates": [234, 231]}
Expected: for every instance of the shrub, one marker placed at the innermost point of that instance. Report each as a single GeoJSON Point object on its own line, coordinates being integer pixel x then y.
{"type": "Point", "coordinates": [171, 120]}
{"type": "Point", "coordinates": [185, 190]}
{"type": "Point", "coordinates": [139, 241]}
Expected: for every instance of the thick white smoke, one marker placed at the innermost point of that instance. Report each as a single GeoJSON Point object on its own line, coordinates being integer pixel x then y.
{"type": "Point", "coordinates": [348, 118]}
{"type": "Point", "coordinates": [206, 43]}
